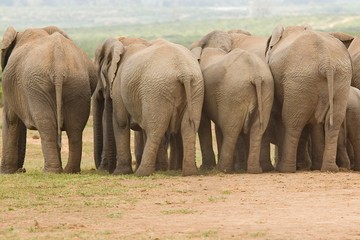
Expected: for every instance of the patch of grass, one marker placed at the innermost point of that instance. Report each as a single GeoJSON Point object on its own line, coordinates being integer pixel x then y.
{"type": "Point", "coordinates": [207, 234]}
{"type": "Point", "coordinates": [257, 234]}
{"type": "Point", "coordinates": [115, 215]}
{"type": "Point", "coordinates": [226, 192]}
{"type": "Point", "coordinates": [178, 211]}
{"type": "Point", "coordinates": [215, 199]}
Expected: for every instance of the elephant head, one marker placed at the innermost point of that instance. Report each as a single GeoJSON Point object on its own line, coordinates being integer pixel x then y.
{"type": "Point", "coordinates": [280, 32]}
{"type": "Point", "coordinates": [346, 39]}
{"type": "Point", "coordinates": [52, 29]}
{"type": "Point", "coordinates": [239, 31]}
{"type": "Point", "coordinates": [215, 39]}
{"type": "Point", "coordinates": [107, 60]}
{"type": "Point", "coordinates": [11, 38]}
{"type": "Point", "coordinates": [8, 44]}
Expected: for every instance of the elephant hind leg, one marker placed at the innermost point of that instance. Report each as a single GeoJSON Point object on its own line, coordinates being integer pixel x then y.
{"type": "Point", "coordinates": [290, 145]}
{"type": "Point", "coordinates": [75, 151]}
{"type": "Point", "coordinates": [10, 134]}
{"type": "Point", "coordinates": [148, 161]}
{"type": "Point", "coordinates": [329, 157]}
{"type": "Point", "coordinates": [226, 157]}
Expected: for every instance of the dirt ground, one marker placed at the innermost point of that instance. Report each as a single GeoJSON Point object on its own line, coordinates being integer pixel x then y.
{"type": "Point", "coordinates": [304, 205]}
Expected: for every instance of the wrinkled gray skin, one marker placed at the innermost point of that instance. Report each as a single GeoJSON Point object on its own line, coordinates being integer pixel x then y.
{"type": "Point", "coordinates": [350, 133]}
{"type": "Point", "coordinates": [156, 85]}
{"type": "Point", "coordinates": [309, 88]}
{"type": "Point", "coordinates": [47, 86]}
{"type": "Point", "coordinates": [239, 92]}
{"type": "Point", "coordinates": [255, 44]}
{"type": "Point", "coordinates": [354, 50]}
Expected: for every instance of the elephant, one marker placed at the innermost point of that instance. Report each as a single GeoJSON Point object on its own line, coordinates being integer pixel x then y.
{"type": "Point", "coordinates": [157, 85]}
{"type": "Point", "coordinates": [348, 144]}
{"type": "Point", "coordinates": [245, 40]}
{"type": "Point", "coordinates": [311, 69]}
{"type": "Point", "coordinates": [47, 86]}
{"type": "Point", "coordinates": [239, 92]}
{"type": "Point", "coordinates": [354, 50]}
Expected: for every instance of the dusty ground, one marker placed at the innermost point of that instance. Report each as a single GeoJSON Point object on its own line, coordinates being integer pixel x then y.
{"type": "Point", "coordinates": [305, 205]}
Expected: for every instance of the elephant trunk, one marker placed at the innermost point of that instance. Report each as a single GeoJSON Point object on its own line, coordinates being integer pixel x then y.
{"type": "Point", "coordinates": [98, 110]}
{"type": "Point", "coordinates": [109, 144]}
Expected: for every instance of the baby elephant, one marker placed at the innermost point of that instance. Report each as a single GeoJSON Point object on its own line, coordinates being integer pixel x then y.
{"type": "Point", "coordinates": [239, 92]}
{"type": "Point", "coordinates": [47, 85]}
{"type": "Point", "coordinates": [350, 134]}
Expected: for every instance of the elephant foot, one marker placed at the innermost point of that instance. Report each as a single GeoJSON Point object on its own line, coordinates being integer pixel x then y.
{"type": "Point", "coordinates": [161, 167]}
{"type": "Point", "coordinates": [123, 170]}
{"type": "Point", "coordinates": [315, 167]}
{"type": "Point", "coordinates": [267, 168]}
{"type": "Point", "coordinates": [5, 170]}
{"type": "Point", "coordinates": [142, 171]}
{"type": "Point", "coordinates": [254, 170]}
{"type": "Point", "coordinates": [356, 168]}
{"type": "Point", "coordinates": [342, 169]}
{"type": "Point", "coordinates": [208, 164]}
{"type": "Point", "coordinates": [69, 169]}
{"type": "Point", "coordinates": [225, 169]}
{"type": "Point", "coordinates": [53, 169]}
{"type": "Point", "coordinates": [207, 167]}
{"type": "Point", "coordinates": [286, 169]}
{"type": "Point", "coordinates": [190, 172]}
{"type": "Point", "coordinates": [330, 168]}
{"type": "Point", "coordinates": [21, 170]}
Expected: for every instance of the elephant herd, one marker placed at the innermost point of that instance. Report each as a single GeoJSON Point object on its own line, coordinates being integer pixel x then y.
{"type": "Point", "coordinates": [297, 89]}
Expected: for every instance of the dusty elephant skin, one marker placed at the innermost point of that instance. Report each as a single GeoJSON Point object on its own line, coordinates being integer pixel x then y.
{"type": "Point", "coordinates": [354, 50]}
{"type": "Point", "coordinates": [239, 92]}
{"type": "Point", "coordinates": [309, 88]}
{"type": "Point", "coordinates": [158, 86]}
{"type": "Point", "coordinates": [349, 137]}
{"type": "Point", "coordinates": [47, 86]}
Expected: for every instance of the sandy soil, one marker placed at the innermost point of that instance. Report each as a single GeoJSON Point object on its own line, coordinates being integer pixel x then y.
{"type": "Point", "coordinates": [304, 205]}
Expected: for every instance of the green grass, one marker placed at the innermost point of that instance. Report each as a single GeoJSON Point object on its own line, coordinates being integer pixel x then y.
{"type": "Point", "coordinates": [186, 32]}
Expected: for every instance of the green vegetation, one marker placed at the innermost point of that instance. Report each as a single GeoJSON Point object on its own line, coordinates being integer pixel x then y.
{"type": "Point", "coordinates": [186, 32]}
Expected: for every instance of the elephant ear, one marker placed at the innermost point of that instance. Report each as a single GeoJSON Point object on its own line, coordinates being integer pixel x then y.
{"type": "Point", "coordinates": [346, 39]}
{"type": "Point", "coordinates": [7, 45]}
{"type": "Point", "coordinates": [217, 39]}
{"type": "Point", "coordinates": [196, 52]}
{"type": "Point", "coordinates": [274, 38]}
{"type": "Point", "coordinates": [107, 59]}
{"type": "Point", "coordinates": [239, 31]}
{"type": "Point", "coordinates": [53, 29]}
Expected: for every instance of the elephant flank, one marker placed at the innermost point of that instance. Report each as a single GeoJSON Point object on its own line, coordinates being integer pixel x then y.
{"type": "Point", "coordinates": [258, 82]}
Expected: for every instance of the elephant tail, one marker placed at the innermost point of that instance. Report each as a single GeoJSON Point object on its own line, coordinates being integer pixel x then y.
{"type": "Point", "coordinates": [186, 81]}
{"type": "Point", "coordinates": [58, 93]}
{"type": "Point", "coordinates": [258, 86]}
{"type": "Point", "coordinates": [330, 81]}
{"type": "Point", "coordinates": [328, 72]}
{"type": "Point", "coordinates": [59, 77]}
